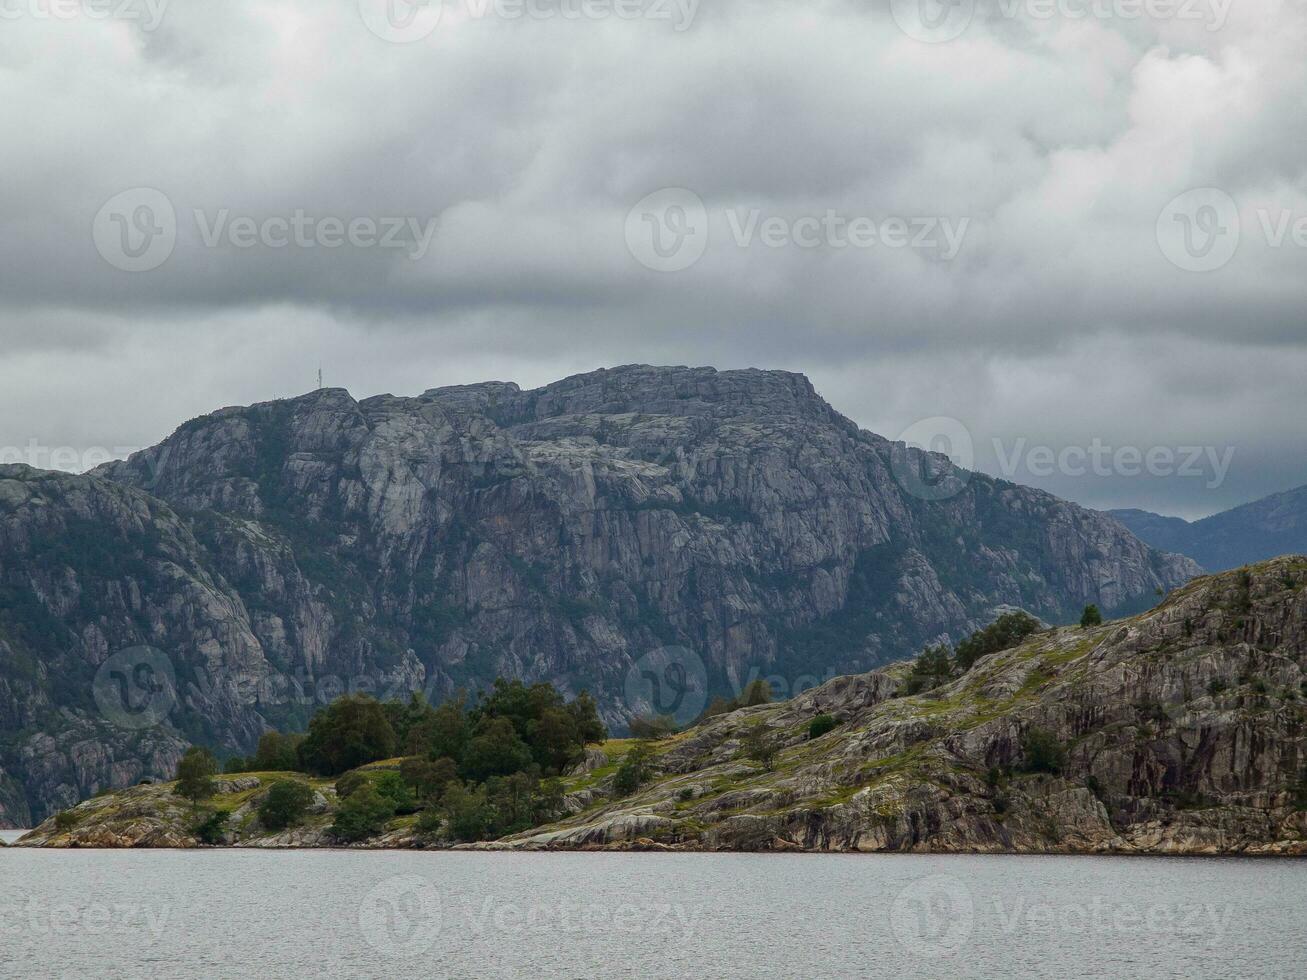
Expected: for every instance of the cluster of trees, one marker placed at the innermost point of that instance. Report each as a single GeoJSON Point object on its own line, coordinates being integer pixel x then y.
{"type": "Point", "coordinates": [482, 769]}
{"type": "Point", "coordinates": [938, 664]}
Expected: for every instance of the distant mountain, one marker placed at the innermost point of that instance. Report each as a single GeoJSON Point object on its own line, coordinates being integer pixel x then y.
{"type": "Point", "coordinates": [1266, 528]}
{"type": "Point", "coordinates": [263, 559]}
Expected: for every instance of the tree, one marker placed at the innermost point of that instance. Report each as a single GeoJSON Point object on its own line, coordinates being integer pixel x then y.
{"type": "Point", "coordinates": [364, 814]}
{"type": "Point", "coordinates": [496, 750]}
{"type": "Point", "coordinates": [1091, 617]}
{"type": "Point", "coordinates": [555, 741]}
{"type": "Point", "coordinates": [444, 732]}
{"type": "Point", "coordinates": [1004, 633]}
{"type": "Point", "coordinates": [195, 774]}
{"type": "Point", "coordinates": [759, 745]}
{"type": "Point", "coordinates": [636, 769]}
{"type": "Point", "coordinates": [653, 727]}
{"type": "Point", "coordinates": [285, 804]}
{"type": "Point", "coordinates": [590, 728]}
{"type": "Point", "coordinates": [277, 753]}
{"type": "Point", "coordinates": [350, 732]}
{"type": "Point", "coordinates": [469, 814]}
{"type": "Point", "coordinates": [429, 777]}
{"type": "Point", "coordinates": [930, 669]}
{"type": "Point", "coordinates": [757, 692]}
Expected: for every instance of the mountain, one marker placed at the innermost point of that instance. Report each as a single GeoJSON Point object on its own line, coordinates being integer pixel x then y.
{"type": "Point", "coordinates": [597, 533]}
{"type": "Point", "coordinates": [1274, 525]}
{"type": "Point", "coordinates": [1180, 731]}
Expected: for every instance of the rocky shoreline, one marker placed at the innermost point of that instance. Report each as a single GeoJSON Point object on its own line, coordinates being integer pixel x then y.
{"type": "Point", "coordinates": [1182, 731]}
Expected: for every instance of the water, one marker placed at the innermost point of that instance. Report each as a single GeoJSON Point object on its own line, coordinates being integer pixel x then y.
{"type": "Point", "coordinates": [338, 913]}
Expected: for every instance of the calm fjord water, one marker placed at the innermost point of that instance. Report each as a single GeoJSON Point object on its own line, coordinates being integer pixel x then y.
{"type": "Point", "coordinates": [336, 913]}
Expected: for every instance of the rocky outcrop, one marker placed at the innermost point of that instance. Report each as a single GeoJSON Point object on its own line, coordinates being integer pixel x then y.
{"type": "Point", "coordinates": [1181, 731]}
{"type": "Point", "coordinates": [264, 559]}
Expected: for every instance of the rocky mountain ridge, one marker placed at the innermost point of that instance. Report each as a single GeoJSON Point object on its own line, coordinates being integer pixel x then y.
{"type": "Point", "coordinates": [263, 559]}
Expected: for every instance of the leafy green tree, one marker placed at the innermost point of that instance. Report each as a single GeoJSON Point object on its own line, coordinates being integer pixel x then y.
{"type": "Point", "coordinates": [1091, 617]}
{"type": "Point", "coordinates": [350, 732]}
{"type": "Point", "coordinates": [195, 774]}
{"type": "Point", "coordinates": [636, 769]}
{"type": "Point", "coordinates": [469, 814]}
{"type": "Point", "coordinates": [590, 728]}
{"type": "Point", "coordinates": [277, 753]}
{"type": "Point", "coordinates": [760, 745]}
{"type": "Point", "coordinates": [285, 804]}
{"type": "Point", "coordinates": [555, 741]}
{"type": "Point", "coordinates": [495, 750]}
{"type": "Point", "coordinates": [933, 667]}
{"type": "Point", "coordinates": [237, 764]}
{"type": "Point", "coordinates": [445, 732]}
{"type": "Point", "coordinates": [364, 814]}
{"type": "Point", "coordinates": [429, 777]}
{"type": "Point", "coordinates": [1004, 633]}
{"type": "Point", "coordinates": [757, 692]}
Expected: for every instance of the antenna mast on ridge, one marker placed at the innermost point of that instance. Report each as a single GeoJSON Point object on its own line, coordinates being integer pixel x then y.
{"type": "Point", "coordinates": [319, 377]}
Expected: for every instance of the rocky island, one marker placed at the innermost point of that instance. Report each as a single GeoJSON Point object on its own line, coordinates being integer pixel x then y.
{"type": "Point", "coordinates": [1182, 730]}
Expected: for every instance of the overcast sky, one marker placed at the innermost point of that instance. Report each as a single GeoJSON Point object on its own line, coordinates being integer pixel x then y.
{"type": "Point", "coordinates": [989, 213]}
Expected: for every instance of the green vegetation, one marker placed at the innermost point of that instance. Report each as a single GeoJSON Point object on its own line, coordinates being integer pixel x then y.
{"type": "Point", "coordinates": [820, 725]}
{"type": "Point", "coordinates": [759, 745]}
{"type": "Point", "coordinates": [1042, 752]}
{"type": "Point", "coordinates": [212, 827]}
{"type": "Point", "coordinates": [350, 732]}
{"type": "Point", "coordinates": [195, 774]}
{"type": "Point", "coordinates": [276, 753]}
{"type": "Point", "coordinates": [65, 820]}
{"type": "Point", "coordinates": [1091, 617]}
{"type": "Point", "coordinates": [286, 804]}
{"type": "Point", "coordinates": [636, 770]}
{"type": "Point", "coordinates": [364, 814]}
{"type": "Point", "coordinates": [1007, 631]}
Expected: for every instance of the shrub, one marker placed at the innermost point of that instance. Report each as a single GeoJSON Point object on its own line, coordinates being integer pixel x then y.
{"type": "Point", "coordinates": [1091, 617]}
{"type": "Point", "coordinates": [195, 774]}
{"type": "Point", "coordinates": [364, 814]}
{"type": "Point", "coordinates": [211, 829]}
{"type": "Point", "coordinates": [468, 812]}
{"type": "Point", "coordinates": [1043, 752]}
{"type": "Point", "coordinates": [65, 820]}
{"type": "Point", "coordinates": [820, 725]}
{"type": "Point", "coordinates": [929, 670]}
{"type": "Point", "coordinates": [636, 770]}
{"type": "Point", "coordinates": [391, 786]}
{"type": "Point", "coordinates": [347, 784]}
{"type": "Point", "coordinates": [285, 804]}
{"type": "Point", "coordinates": [759, 745]}
{"type": "Point", "coordinates": [276, 753]}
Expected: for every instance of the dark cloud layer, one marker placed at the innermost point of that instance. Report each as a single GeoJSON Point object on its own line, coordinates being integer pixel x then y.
{"type": "Point", "coordinates": [507, 155]}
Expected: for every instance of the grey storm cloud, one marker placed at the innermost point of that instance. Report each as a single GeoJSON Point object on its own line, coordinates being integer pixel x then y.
{"type": "Point", "coordinates": [417, 201]}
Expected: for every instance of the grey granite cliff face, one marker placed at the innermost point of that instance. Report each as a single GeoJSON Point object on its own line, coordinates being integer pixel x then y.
{"type": "Point", "coordinates": [276, 552]}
